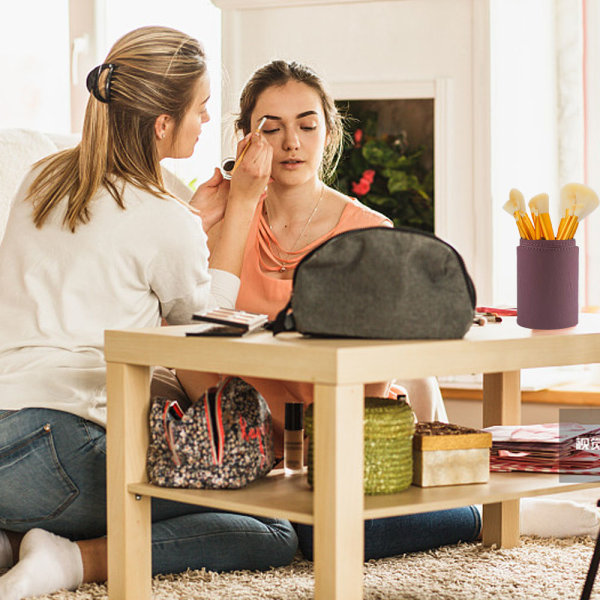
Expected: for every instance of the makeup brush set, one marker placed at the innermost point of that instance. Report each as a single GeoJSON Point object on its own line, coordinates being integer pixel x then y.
{"type": "Point", "coordinates": [577, 201]}
{"type": "Point", "coordinates": [548, 263]}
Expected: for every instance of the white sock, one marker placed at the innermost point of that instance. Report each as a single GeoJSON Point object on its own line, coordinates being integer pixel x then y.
{"type": "Point", "coordinates": [6, 555]}
{"type": "Point", "coordinates": [47, 563]}
{"type": "Point", "coordinates": [558, 518]}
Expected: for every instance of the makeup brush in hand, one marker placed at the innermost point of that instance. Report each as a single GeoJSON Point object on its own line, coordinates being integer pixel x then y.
{"type": "Point", "coordinates": [538, 206]}
{"type": "Point", "coordinates": [239, 160]}
{"type": "Point", "coordinates": [577, 201]}
{"type": "Point", "coordinates": [515, 206]}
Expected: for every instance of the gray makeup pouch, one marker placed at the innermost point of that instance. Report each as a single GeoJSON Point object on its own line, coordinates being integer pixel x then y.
{"type": "Point", "coordinates": [380, 283]}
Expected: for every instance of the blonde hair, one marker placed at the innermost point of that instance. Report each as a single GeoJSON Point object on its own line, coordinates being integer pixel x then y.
{"type": "Point", "coordinates": [278, 73]}
{"type": "Point", "coordinates": [156, 70]}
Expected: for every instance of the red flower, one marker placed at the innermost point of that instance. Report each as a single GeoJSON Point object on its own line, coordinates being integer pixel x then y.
{"type": "Point", "coordinates": [361, 188]}
{"type": "Point", "coordinates": [369, 175]}
{"type": "Point", "coordinates": [358, 136]}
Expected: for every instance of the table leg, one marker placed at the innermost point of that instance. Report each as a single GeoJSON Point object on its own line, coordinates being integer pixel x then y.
{"type": "Point", "coordinates": [501, 406]}
{"type": "Point", "coordinates": [128, 519]}
{"type": "Point", "coordinates": [338, 497]}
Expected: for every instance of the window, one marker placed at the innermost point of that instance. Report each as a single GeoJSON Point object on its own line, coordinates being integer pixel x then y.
{"type": "Point", "coordinates": [198, 18]}
{"type": "Point", "coordinates": [45, 59]}
{"type": "Point", "coordinates": [34, 54]}
{"type": "Point", "coordinates": [591, 100]}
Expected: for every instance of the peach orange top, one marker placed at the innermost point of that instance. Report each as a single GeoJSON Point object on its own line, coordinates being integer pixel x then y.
{"type": "Point", "coordinates": [262, 293]}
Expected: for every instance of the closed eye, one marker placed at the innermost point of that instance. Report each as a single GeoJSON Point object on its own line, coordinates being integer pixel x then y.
{"type": "Point", "coordinates": [307, 128]}
{"type": "Point", "coordinates": [267, 131]}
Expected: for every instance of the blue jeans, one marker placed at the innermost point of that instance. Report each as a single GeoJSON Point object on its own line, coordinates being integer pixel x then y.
{"type": "Point", "coordinates": [409, 533]}
{"type": "Point", "coordinates": [53, 476]}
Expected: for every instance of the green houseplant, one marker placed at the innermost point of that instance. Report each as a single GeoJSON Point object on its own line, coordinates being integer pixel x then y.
{"type": "Point", "coordinates": [385, 175]}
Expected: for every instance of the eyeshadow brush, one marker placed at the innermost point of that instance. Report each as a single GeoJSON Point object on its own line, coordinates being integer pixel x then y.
{"type": "Point", "coordinates": [539, 206]}
{"type": "Point", "coordinates": [515, 206]}
{"type": "Point", "coordinates": [239, 160]}
{"type": "Point", "coordinates": [577, 201]}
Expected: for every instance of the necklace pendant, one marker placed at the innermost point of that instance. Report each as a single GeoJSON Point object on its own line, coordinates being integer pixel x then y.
{"type": "Point", "coordinates": [282, 269]}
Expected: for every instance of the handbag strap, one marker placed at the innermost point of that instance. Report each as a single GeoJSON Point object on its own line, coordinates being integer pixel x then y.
{"type": "Point", "coordinates": [284, 321]}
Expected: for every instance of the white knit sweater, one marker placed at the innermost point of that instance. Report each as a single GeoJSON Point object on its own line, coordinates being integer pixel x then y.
{"type": "Point", "coordinates": [59, 291]}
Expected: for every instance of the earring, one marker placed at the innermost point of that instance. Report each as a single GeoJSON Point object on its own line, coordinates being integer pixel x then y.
{"type": "Point", "coordinates": [162, 137]}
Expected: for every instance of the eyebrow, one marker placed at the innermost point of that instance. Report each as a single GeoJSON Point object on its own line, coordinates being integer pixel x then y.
{"type": "Point", "coordinates": [300, 116]}
{"type": "Point", "coordinates": [207, 99]}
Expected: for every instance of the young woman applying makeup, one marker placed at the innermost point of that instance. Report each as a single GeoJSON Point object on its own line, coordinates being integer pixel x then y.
{"type": "Point", "coordinates": [95, 241]}
{"type": "Point", "coordinates": [298, 213]}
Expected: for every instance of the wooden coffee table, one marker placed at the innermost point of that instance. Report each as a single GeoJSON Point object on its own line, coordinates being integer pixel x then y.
{"type": "Point", "coordinates": [339, 369]}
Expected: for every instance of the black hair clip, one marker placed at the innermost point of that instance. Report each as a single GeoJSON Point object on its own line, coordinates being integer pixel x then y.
{"type": "Point", "coordinates": [92, 81]}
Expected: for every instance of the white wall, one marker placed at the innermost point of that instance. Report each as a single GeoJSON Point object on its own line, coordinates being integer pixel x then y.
{"type": "Point", "coordinates": [34, 54]}
{"type": "Point", "coordinates": [524, 141]}
{"type": "Point", "coordinates": [198, 18]}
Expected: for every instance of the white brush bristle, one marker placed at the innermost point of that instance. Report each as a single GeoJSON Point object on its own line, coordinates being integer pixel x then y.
{"type": "Point", "coordinates": [515, 202]}
{"type": "Point", "coordinates": [539, 204]}
{"type": "Point", "coordinates": [575, 195]}
{"type": "Point", "coordinates": [586, 207]}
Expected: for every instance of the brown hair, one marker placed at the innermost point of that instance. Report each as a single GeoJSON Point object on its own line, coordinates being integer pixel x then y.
{"type": "Point", "coordinates": [155, 72]}
{"type": "Point", "coordinates": [278, 73]}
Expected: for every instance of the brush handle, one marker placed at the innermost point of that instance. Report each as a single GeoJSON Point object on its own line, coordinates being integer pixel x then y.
{"type": "Point", "coordinates": [528, 226]}
{"type": "Point", "coordinates": [546, 224]}
{"type": "Point", "coordinates": [239, 160]}
{"type": "Point", "coordinates": [561, 227]}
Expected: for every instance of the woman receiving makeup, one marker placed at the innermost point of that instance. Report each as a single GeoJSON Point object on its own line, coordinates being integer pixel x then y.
{"type": "Point", "coordinates": [298, 213]}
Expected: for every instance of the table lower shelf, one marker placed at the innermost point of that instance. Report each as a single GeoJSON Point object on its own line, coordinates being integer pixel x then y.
{"type": "Point", "coordinates": [290, 498]}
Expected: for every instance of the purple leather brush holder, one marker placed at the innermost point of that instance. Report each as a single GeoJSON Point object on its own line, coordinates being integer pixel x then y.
{"type": "Point", "coordinates": [547, 284]}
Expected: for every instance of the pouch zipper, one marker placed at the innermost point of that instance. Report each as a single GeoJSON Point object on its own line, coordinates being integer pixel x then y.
{"type": "Point", "coordinates": [167, 420]}
{"type": "Point", "coordinates": [214, 420]}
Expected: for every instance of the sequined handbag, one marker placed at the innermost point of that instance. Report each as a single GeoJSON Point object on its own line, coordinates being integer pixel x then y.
{"type": "Point", "coordinates": [224, 440]}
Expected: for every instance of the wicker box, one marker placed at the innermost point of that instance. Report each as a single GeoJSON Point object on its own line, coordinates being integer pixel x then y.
{"type": "Point", "coordinates": [448, 454]}
{"type": "Point", "coordinates": [388, 430]}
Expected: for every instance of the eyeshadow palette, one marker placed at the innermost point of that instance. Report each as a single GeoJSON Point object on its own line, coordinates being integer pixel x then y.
{"type": "Point", "coordinates": [228, 322]}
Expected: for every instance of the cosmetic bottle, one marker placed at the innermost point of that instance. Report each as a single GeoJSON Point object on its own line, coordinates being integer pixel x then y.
{"type": "Point", "coordinates": [293, 439]}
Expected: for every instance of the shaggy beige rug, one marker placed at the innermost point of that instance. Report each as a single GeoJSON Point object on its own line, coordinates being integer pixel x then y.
{"type": "Point", "coordinates": [540, 569]}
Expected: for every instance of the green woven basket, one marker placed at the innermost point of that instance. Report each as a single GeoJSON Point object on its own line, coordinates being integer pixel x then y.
{"type": "Point", "coordinates": [389, 427]}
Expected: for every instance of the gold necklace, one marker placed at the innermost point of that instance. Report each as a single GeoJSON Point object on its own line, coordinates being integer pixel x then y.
{"type": "Point", "coordinates": [278, 258]}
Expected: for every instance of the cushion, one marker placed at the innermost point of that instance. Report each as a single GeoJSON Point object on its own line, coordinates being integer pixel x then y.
{"type": "Point", "coordinates": [19, 149]}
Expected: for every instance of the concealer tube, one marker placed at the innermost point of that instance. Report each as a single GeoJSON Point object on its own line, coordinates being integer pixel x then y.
{"type": "Point", "coordinates": [293, 439]}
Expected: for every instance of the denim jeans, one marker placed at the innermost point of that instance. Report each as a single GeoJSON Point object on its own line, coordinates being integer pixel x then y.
{"type": "Point", "coordinates": [53, 476]}
{"type": "Point", "coordinates": [409, 533]}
